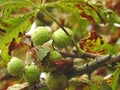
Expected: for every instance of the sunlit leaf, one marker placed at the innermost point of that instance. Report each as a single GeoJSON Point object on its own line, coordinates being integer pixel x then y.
{"type": "Point", "coordinates": [6, 11]}
{"type": "Point", "coordinates": [19, 50]}
{"type": "Point", "coordinates": [114, 83]}
{"type": "Point", "coordinates": [83, 10]}
{"type": "Point", "coordinates": [15, 26]}
{"type": "Point", "coordinates": [42, 52]}
{"type": "Point", "coordinates": [94, 43]}
{"type": "Point", "coordinates": [113, 18]}
{"type": "Point", "coordinates": [3, 63]}
{"type": "Point", "coordinates": [8, 6]}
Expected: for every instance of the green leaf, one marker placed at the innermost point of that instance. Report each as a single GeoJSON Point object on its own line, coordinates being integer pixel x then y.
{"type": "Point", "coordinates": [42, 52]}
{"type": "Point", "coordinates": [8, 6]}
{"type": "Point", "coordinates": [113, 18]}
{"type": "Point", "coordinates": [109, 48]}
{"type": "Point", "coordinates": [15, 26]}
{"type": "Point", "coordinates": [8, 9]}
{"type": "Point", "coordinates": [8, 2]}
{"type": "Point", "coordinates": [82, 10]}
{"type": "Point", "coordinates": [114, 83]}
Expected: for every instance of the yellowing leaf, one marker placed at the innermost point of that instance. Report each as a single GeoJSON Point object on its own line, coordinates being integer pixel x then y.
{"type": "Point", "coordinates": [15, 26]}
{"type": "Point", "coordinates": [94, 43]}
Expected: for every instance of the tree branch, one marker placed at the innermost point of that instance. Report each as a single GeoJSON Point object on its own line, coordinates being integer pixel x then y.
{"type": "Point", "coordinates": [75, 55]}
{"type": "Point", "coordinates": [91, 66]}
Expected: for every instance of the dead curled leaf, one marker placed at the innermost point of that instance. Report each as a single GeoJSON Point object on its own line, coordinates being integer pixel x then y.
{"type": "Point", "coordinates": [90, 42]}
{"type": "Point", "coordinates": [19, 86]}
{"type": "Point", "coordinates": [63, 65]}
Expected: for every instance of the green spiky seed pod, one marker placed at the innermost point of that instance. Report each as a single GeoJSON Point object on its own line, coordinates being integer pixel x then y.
{"type": "Point", "coordinates": [55, 55]}
{"type": "Point", "coordinates": [32, 74]}
{"type": "Point", "coordinates": [60, 39]}
{"type": "Point", "coordinates": [56, 81]}
{"type": "Point", "coordinates": [41, 35]}
{"type": "Point", "coordinates": [15, 67]}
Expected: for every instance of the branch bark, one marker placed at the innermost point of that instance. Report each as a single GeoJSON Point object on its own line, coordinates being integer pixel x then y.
{"type": "Point", "coordinates": [84, 55]}
{"type": "Point", "coordinates": [91, 66]}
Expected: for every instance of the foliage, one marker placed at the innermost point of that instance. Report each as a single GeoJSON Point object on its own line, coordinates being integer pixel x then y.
{"type": "Point", "coordinates": [15, 5]}
{"type": "Point", "coordinates": [94, 43]}
{"type": "Point", "coordinates": [114, 83]}
{"type": "Point", "coordinates": [15, 26]}
{"type": "Point", "coordinates": [92, 24]}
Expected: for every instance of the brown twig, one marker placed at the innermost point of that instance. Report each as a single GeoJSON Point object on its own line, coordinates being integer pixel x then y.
{"type": "Point", "coordinates": [91, 66]}
{"type": "Point", "coordinates": [75, 55]}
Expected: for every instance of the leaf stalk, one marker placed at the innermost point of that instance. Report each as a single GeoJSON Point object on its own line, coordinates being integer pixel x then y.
{"type": "Point", "coordinates": [80, 51]}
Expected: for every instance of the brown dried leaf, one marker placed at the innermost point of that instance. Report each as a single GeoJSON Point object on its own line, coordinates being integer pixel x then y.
{"type": "Point", "coordinates": [88, 17]}
{"type": "Point", "coordinates": [19, 86]}
{"type": "Point", "coordinates": [63, 65]}
{"type": "Point", "coordinates": [90, 42]}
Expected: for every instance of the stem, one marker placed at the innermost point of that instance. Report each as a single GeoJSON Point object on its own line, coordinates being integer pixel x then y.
{"type": "Point", "coordinates": [85, 55]}
{"type": "Point", "coordinates": [80, 52]}
{"type": "Point", "coordinates": [51, 4]}
{"type": "Point", "coordinates": [43, 2]}
{"type": "Point", "coordinates": [39, 2]}
{"type": "Point", "coordinates": [91, 66]}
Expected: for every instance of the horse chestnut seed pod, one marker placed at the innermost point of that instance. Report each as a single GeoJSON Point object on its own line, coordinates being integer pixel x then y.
{"type": "Point", "coordinates": [32, 73]}
{"type": "Point", "coordinates": [56, 81]}
{"type": "Point", "coordinates": [54, 55]}
{"type": "Point", "coordinates": [15, 67]}
{"type": "Point", "coordinates": [60, 39]}
{"type": "Point", "coordinates": [40, 35]}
